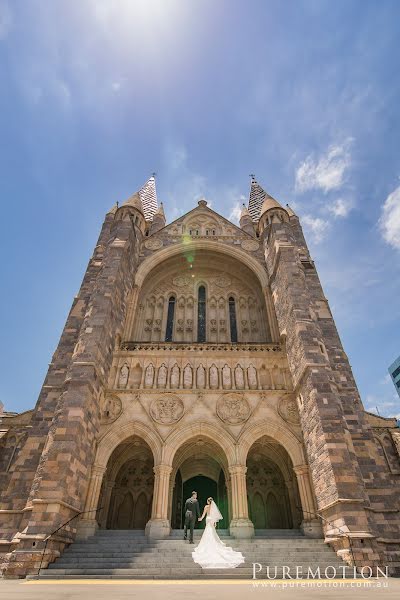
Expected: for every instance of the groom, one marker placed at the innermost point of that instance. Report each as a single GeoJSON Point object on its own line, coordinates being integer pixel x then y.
{"type": "Point", "coordinates": [192, 510]}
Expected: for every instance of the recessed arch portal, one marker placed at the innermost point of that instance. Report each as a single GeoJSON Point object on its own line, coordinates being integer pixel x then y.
{"type": "Point", "coordinates": [204, 280]}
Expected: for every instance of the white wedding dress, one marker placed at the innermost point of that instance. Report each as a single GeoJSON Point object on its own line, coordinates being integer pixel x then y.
{"type": "Point", "coordinates": [212, 552]}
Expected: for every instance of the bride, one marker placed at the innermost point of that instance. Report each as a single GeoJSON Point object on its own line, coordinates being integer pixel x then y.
{"type": "Point", "coordinates": [212, 553]}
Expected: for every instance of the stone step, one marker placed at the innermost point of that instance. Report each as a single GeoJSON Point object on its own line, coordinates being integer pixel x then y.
{"type": "Point", "coordinates": [123, 554]}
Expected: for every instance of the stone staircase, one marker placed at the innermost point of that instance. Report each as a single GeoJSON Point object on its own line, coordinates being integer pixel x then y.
{"type": "Point", "coordinates": [120, 554]}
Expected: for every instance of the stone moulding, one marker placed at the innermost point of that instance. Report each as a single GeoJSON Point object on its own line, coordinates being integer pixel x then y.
{"type": "Point", "coordinates": [201, 347]}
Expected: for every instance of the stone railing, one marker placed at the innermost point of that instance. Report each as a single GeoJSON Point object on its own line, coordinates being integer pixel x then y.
{"type": "Point", "coordinates": [200, 347]}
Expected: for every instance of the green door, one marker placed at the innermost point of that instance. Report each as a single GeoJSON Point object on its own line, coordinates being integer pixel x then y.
{"type": "Point", "coordinates": [205, 487]}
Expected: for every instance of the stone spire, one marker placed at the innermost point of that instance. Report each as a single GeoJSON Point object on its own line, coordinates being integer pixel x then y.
{"type": "Point", "coordinates": [257, 199]}
{"type": "Point", "coordinates": [148, 197]}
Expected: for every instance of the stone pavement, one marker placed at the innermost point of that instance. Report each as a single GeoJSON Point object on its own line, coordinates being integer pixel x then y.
{"type": "Point", "coordinates": [164, 590]}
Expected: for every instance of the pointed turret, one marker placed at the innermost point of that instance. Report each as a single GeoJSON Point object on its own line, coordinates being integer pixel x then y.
{"type": "Point", "coordinates": [246, 222]}
{"type": "Point", "coordinates": [135, 202]}
{"type": "Point", "coordinates": [290, 211]}
{"type": "Point", "coordinates": [159, 220]}
{"type": "Point", "coordinates": [113, 209]}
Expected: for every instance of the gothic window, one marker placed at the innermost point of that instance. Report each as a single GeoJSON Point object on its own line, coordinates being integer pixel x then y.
{"type": "Point", "coordinates": [170, 319]}
{"type": "Point", "coordinates": [232, 319]}
{"type": "Point", "coordinates": [201, 315]}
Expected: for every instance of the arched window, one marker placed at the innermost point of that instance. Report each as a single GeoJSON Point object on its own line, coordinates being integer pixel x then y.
{"type": "Point", "coordinates": [232, 319]}
{"type": "Point", "coordinates": [201, 315]}
{"type": "Point", "coordinates": [170, 319]}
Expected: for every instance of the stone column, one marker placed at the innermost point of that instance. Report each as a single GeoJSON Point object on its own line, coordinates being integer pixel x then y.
{"type": "Point", "coordinates": [311, 524]}
{"type": "Point", "coordinates": [88, 523]}
{"type": "Point", "coordinates": [106, 504]}
{"type": "Point", "coordinates": [240, 526]}
{"type": "Point", "coordinates": [159, 526]}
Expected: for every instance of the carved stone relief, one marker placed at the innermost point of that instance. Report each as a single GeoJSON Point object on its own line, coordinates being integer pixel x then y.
{"type": "Point", "coordinates": [252, 377]}
{"type": "Point", "coordinates": [188, 377]}
{"type": "Point", "coordinates": [162, 376]}
{"type": "Point", "coordinates": [250, 245]}
{"type": "Point", "coordinates": [239, 377]}
{"type": "Point", "coordinates": [123, 376]}
{"type": "Point", "coordinates": [226, 377]}
{"type": "Point", "coordinates": [213, 377]}
{"type": "Point", "coordinates": [287, 409]}
{"type": "Point", "coordinates": [201, 377]}
{"type": "Point", "coordinates": [167, 410]}
{"type": "Point", "coordinates": [111, 410]}
{"type": "Point", "coordinates": [175, 373]}
{"type": "Point", "coordinates": [233, 408]}
{"type": "Point", "coordinates": [155, 244]}
{"type": "Point", "coordinates": [149, 376]}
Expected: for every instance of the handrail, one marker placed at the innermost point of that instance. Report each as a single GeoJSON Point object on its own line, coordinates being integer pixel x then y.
{"type": "Point", "coordinates": [345, 533]}
{"type": "Point", "coordinates": [46, 539]}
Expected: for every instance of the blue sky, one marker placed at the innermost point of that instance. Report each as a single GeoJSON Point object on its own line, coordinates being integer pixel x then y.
{"type": "Point", "coordinates": [96, 95]}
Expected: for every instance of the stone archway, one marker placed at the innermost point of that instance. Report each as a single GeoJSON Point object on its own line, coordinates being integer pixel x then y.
{"type": "Point", "coordinates": [272, 486]}
{"type": "Point", "coordinates": [127, 490]}
{"type": "Point", "coordinates": [201, 465]}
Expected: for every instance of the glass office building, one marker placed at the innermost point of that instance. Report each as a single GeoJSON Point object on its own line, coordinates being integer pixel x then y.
{"type": "Point", "coordinates": [394, 371]}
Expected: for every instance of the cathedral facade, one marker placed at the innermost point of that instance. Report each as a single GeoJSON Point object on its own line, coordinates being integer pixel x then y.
{"type": "Point", "coordinates": [199, 355]}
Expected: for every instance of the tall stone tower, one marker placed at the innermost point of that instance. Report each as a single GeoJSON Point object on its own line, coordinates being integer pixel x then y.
{"type": "Point", "coordinates": [203, 355]}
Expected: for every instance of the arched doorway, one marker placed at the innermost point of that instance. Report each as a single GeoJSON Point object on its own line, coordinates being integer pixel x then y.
{"type": "Point", "coordinates": [199, 466]}
{"type": "Point", "coordinates": [272, 490]}
{"type": "Point", "coordinates": [127, 489]}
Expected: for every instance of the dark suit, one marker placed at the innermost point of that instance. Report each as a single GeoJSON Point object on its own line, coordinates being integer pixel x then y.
{"type": "Point", "coordinates": [192, 510]}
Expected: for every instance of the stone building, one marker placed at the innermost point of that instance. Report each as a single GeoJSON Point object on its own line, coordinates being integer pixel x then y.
{"type": "Point", "coordinates": [199, 355]}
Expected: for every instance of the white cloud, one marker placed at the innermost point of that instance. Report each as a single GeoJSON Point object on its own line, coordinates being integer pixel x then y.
{"type": "Point", "coordinates": [6, 20]}
{"type": "Point", "coordinates": [341, 207]}
{"type": "Point", "coordinates": [389, 222]}
{"type": "Point", "coordinates": [235, 213]}
{"type": "Point", "coordinates": [328, 172]}
{"type": "Point", "coordinates": [316, 227]}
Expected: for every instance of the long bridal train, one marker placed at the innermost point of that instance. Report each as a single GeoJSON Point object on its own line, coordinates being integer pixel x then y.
{"type": "Point", "coordinates": [212, 552]}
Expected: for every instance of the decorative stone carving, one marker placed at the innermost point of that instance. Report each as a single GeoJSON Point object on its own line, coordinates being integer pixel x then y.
{"type": "Point", "coordinates": [277, 377]}
{"type": "Point", "coordinates": [180, 281]}
{"type": "Point", "coordinates": [155, 244]}
{"type": "Point", "coordinates": [167, 409]}
{"type": "Point", "coordinates": [201, 377]}
{"type": "Point", "coordinates": [252, 377]}
{"type": "Point", "coordinates": [287, 409]}
{"type": "Point", "coordinates": [188, 377]}
{"type": "Point", "coordinates": [149, 376]}
{"type": "Point", "coordinates": [233, 408]}
{"type": "Point", "coordinates": [213, 377]}
{"type": "Point", "coordinates": [223, 281]}
{"type": "Point", "coordinates": [226, 377]}
{"type": "Point", "coordinates": [250, 245]}
{"type": "Point", "coordinates": [123, 376]}
{"type": "Point", "coordinates": [162, 376]}
{"type": "Point", "coordinates": [175, 376]}
{"type": "Point", "coordinates": [112, 408]}
{"type": "Point", "coordinates": [239, 377]}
